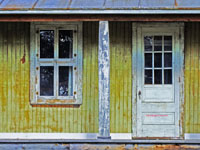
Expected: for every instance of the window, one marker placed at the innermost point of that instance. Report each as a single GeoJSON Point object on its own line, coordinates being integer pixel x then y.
{"type": "Point", "coordinates": [158, 59]}
{"type": "Point", "coordinates": [56, 63]}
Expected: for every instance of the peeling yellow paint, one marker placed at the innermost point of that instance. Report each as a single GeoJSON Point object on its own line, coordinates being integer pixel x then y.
{"type": "Point", "coordinates": [192, 81]}
{"type": "Point", "coordinates": [120, 77]}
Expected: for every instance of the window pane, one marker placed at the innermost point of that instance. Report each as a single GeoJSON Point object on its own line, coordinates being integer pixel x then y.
{"type": "Point", "coordinates": [158, 76]}
{"type": "Point", "coordinates": [46, 80]}
{"type": "Point", "coordinates": [65, 81]}
{"type": "Point", "coordinates": [148, 60]}
{"type": "Point", "coordinates": [168, 43]}
{"type": "Point", "coordinates": [168, 76]}
{"type": "Point", "coordinates": [148, 43]}
{"type": "Point", "coordinates": [65, 43]}
{"type": "Point", "coordinates": [46, 44]}
{"type": "Point", "coordinates": [157, 43]}
{"type": "Point", "coordinates": [158, 60]}
{"type": "Point", "coordinates": [148, 76]}
{"type": "Point", "coordinates": [168, 59]}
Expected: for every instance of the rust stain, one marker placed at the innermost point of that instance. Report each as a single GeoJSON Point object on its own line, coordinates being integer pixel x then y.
{"type": "Point", "coordinates": [56, 101]}
{"type": "Point", "coordinates": [175, 3]}
{"type": "Point", "coordinates": [27, 115]}
{"type": "Point", "coordinates": [58, 105]}
{"type": "Point", "coordinates": [36, 80]}
{"type": "Point", "coordinates": [34, 4]}
{"type": "Point", "coordinates": [167, 147]}
{"type": "Point", "coordinates": [23, 59]}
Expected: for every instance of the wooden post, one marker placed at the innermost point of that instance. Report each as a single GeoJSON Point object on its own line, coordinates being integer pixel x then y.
{"type": "Point", "coordinates": [104, 81]}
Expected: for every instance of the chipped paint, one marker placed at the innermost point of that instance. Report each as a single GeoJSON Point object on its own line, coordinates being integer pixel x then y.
{"type": "Point", "coordinates": [70, 146]}
{"type": "Point", "coordinates": [23, 59]}
{"type": "Point", "coordinates": [104, 80]}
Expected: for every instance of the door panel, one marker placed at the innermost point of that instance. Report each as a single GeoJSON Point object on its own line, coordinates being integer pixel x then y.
{"type": "Point", "coordinates": [157, 104]}
{"type": "Point", "coordinates": [158, 94]}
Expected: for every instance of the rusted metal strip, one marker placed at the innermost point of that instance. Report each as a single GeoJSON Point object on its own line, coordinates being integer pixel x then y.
{"type": "Point", "coordinates": [145, 18]}
{"type": "Point", "coordinates": [100, 141]}
{"type": "Point", "coordinates": [104, 80]}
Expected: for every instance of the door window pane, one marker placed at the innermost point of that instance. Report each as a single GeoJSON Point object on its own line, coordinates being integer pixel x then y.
{"type": "Point", "coordinates": [148, 60]}
{"type": "Point", "coordinates": [158, 76]}
{"type": "Point", "coordinates": [158, 60]}
{"type": "Point", "coordinates": [168, 76]}
{"type": "Point", "coordinates": [46, 80]}
{"type": "Point", "coordinates": [65, 43]}
{"type": "Point", "coordinates": [65, 81]}
{"type": "Point", "coordinates": [148, 76]}
{"type": "Point", "coordinates": [148, 42]}
{"type": "Point", "coordinates": [168, 43]}
{"type": "Point", "coordinates": [157, 43]}
{"type": "Point", "coordinates": [168, 59]}
{"type": "Point", "coordinates": [46, 44]}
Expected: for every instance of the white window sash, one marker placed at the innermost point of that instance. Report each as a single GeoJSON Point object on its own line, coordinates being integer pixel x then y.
{"type": "Point", "coordinates": [75, 62]}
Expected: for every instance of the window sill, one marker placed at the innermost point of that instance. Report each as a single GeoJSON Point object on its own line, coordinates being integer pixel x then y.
{"type": "Point", "coordinates": [56, 102]}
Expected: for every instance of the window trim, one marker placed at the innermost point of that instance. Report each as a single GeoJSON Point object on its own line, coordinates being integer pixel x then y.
{"type": "Point", "coordinates": [34, 60]}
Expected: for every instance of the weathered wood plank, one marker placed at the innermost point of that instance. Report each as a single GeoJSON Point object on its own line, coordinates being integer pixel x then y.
{"type": "Point", "coordinates": [1, 74]}
{"type": "Point", "coordinates": [195, 43]}
{"type": "Point", "coordinates": [121, 76]}
{"type": "Point", "coordinates": [192, 81]}
{"type": "Point", "coordinates": [129, 80]}
{"type": "Point", "coordinates": [104, 80]}
{"type": "Point", "coordinates": [85, 53]}
{"type": "Point", "coordinates": [114, 17]}
{"type": "Point", "coordinates": [117, 82]}
{"type": "Point", "coordinates": [198, 24]}
{"type": "Point", "coordinates": [13, 79]}
{"type": "Point", "coordinates": [187, 78]}
{"type": "Point", "coordinates": [112, 78]}
{"type": "Point", "coordinates": [96, 78]}
{"type": "Point", "coordinates": [92, 76]}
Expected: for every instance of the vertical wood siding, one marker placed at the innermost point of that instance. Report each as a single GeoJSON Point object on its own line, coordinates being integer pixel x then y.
{"type": "Point", "coordinates": [192, 78]}
{"type": "Point", "coordinates": [16, 113]}
{"type": "Point", "coordinates": [120, 77]}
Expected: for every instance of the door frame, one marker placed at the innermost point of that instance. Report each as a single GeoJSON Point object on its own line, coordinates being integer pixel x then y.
{"type": "Point", "coordinates": [136, 47]}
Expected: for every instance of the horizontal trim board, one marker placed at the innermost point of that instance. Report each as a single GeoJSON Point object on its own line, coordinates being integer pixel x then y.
{"type": "Point", "coordinates": [99, 17]}
{"type": "Point", "coordinates": [101, 141]}
{"type": "Point", "coordinates": [48, 136]}
{"type": "Point", "coordinates": [103, 11]}
{"type": "Point", "coordinates": [192, 136]}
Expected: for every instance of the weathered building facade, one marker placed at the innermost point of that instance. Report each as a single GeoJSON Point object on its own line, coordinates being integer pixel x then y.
{"type": "Point", "coordinates": [103, 72]}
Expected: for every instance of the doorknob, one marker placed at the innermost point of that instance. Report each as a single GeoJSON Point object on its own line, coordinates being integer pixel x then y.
{"type": "Point", "coordinates": [139, 94]}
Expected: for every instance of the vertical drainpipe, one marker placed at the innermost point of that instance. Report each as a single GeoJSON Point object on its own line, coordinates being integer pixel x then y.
{"type": "Point", "coordinates": [104, 81]}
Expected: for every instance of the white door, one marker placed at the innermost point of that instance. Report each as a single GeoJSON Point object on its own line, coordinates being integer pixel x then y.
{"type": "Point", "coordinates": [157, 81]}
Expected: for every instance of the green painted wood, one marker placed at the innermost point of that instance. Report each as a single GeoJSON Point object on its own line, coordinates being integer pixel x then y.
{"type": "Point", "coordinates": [120, 81]}
{"type": "Point", "coordinates": [192, 78]}
{"type": "Point", "coordinates": [15, 78]}
{"type": "Point", "coordinates": [14, 87]}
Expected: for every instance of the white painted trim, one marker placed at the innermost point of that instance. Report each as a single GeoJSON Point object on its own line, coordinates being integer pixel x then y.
{"type": "Point", "coordinates": [103, 11]}
{"type": "Point", "coordinates": [48, 136]}
{"type": "Point", "coordinates": [118, 136]}
{"type": "Point", "coordinates": [75, 62]}
{"type": "Point", "coordinates": [134, 80]}
{"type": "Point", "coordinates": [192, 136]}
{"type": "Point", "coordinates": [60, 136]}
